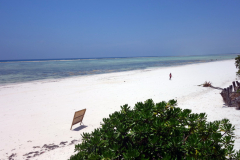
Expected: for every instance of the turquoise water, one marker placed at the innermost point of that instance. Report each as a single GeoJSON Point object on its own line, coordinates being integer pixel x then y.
{"type": "Point", "coordinates": [18, 71]}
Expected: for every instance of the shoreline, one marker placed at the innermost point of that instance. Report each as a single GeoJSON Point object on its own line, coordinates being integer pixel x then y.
{"type": "Point", "coordinates": [86, 75]}
{"type": "Point", "coordinates": [38, 113]}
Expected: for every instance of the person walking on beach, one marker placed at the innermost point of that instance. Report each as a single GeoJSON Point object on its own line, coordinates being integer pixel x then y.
{"type": "Point", "coordinates": [170, 76]}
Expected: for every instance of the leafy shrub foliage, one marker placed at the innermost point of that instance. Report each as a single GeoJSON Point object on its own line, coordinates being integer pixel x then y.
{"type": "Point", "coordinates": [237, 64]}
{"type": "Point", "coordinates": [158, 131]}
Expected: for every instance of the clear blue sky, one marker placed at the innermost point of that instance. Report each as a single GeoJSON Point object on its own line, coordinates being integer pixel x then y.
{"type": "Point", "coordinates": [44, 29]}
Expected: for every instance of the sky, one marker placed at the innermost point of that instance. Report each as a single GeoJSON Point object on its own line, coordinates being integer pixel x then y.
{"type": "Point", "coordinates": [55, 29]}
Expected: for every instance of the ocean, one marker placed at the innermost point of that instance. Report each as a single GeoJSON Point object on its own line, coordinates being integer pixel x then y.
{"type": "Point", "coordinates": [18, 71]}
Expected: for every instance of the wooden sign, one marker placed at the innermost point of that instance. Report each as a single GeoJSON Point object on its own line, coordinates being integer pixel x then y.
{"type": "Point", "coordinates": [78, 117]}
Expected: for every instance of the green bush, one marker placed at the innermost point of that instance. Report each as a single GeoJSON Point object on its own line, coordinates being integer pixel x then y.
{"type": "Point", "coordinates": [158, 131]}
{"type": "Point", "coordinates": [237, 64]}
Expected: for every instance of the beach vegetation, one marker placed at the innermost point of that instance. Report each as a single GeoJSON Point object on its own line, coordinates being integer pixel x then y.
{"type": "Point", "coordinates": [158, 131]}
{"type": "Point", "coordinates": [207, 84]}
{"type": "Point", "coordinates": [237, 64]}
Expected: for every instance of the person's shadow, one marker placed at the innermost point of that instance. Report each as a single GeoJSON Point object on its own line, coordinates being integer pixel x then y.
{"type": "Point", "coordinates": [79, 128]}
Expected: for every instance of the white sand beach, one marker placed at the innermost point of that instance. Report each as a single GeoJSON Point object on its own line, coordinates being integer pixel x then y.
{"type": "Point", "coordinates": [40, 113]}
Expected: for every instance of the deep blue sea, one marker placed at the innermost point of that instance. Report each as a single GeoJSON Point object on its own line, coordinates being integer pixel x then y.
{"type": "Point", "coordinates": [17, 71]}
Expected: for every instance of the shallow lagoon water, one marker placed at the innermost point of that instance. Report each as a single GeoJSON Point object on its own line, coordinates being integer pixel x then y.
{"type": "Point", "coordinates": [17, 71]}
